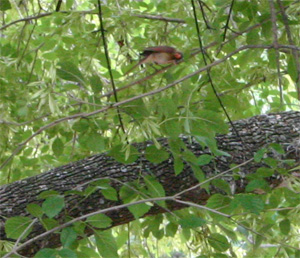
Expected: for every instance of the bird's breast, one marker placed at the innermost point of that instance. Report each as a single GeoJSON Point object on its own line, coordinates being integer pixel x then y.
{"type": "Point", "coordinates": [160, 58]}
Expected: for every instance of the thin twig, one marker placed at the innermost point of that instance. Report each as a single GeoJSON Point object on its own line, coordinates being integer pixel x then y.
{"type": "Point", "coordinates": [204, 15]}
{"type": "Point", "coordinates": [57, 9]}
{"type": "Point", "coordinates": [159, 17]}
{"type": "Point", "coordinates": [209, 75]}
{"type": "Point", "coordinates": [69, 223]}
{"type": "Point", "coordinates": [203, 207]}
{"type": "Point", "coordinates": [108, 65]}
{"type": "Point", "coordinates": [228, 19]}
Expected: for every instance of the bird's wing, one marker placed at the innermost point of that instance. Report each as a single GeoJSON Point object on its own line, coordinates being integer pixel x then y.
{"type": "Point", "coordinates": [159, 49]}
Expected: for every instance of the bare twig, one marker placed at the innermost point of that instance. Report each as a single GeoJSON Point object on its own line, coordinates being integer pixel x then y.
{"type": "Point", "coordinates": [203, 207]}
{"type": "Point", "coordinates": [108, 64]}
{"type": "Point", "coordinates": [159, 17]}
{"type": "Point", "coordinates": [209, 75]}
{"type": "Point", "coordinates": [57, 9]}
{"type": "Point", "coordinates": [35, 17]}
{"type": "Point", "coordinates": [203, 14]}
{"type": "Point", "coordinates": [23, 123]}
{"type": "Point", "coordinates": [228, 19]}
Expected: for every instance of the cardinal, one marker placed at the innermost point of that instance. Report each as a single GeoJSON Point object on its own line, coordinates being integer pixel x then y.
{"type": "Point", "coordinates": [158, 55]}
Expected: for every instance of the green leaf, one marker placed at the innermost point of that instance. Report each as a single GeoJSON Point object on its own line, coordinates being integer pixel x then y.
{"type": "Point", "coordinates": [95, 142]}
{"type": "Point", "coordinates": [178, 165]}
{"type": "Point", "coordinates": [189, 157]}
{"type": "Point", "coordinates": [58, 147]}
{"type": "Point", "coordinates": [53, 205]}
{"type": "Point", "coordinates": [127, 195]}
{"type": "Point", "coordinates": [46, 194]}
{"type": "Point", "coordinates": [81, 126]}
{"type": "Point", "coordinates": [257, 184]}
{"type": "Point", "coordinates": [119, 155]}
{"type": "Point", "coordinates": [15, 226]}
{"type": "Point", "coordinates": [292, 68]}
{"type": "Point", "coordinates": [198, 173]}
{"type": "Point", "coordinates": [46, 253]}
{"type": "Point", "coordinates": [222, 185]}
{"type": "Point", "coordinates": [96, 84]}
{"type": "Point", "coordinates": [99, 221]}
{"type": "Point", "coordinates": [106, 244]}
{"type": "Point", "coordinates": [155, 155]}
{"type": "Point", "coordinates": [155, 189]}
{"type": "Point", "coordinates": [204, 160]}
{"type": "Point", "coordinates": [259, 155]}
{"type": "Point", "coordinates": [171, 229]}
{"type": "Point", "coordinates": [35, 210]}
{"type": "Point", "coordinates": [138, 210]}
{"type": "Point", "coordinates": [66, 253]}
{"type": "Point", "coordinates": [67, 237]}
{"type": "Point", "coordinates": [69, 72]}
{"type": "Point", "coordinates": [5, 5]}
{"type": "Point", "coordinates": [277, 147]}
{"type": "Point", "coordinates": [264, 172]}
{"type": "Point", "coordinates": [87, 252]}
{"type": "Point", "coordinates": [251, 203]}
{"type": "Point", "coordinates": [192, 222]}
{"type": "Point", "coordinates": [285, 226]}
{"type": "Point", "coordinates": [110, 193]}
{"type": "Point", "coordinates": [49, 223]}
{"type": "Point", "coordinates": [171, 128]}
{"type": "Point", "coordinates": [218, 242]}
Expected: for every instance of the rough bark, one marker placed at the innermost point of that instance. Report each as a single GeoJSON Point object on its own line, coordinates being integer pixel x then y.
{"type": "Point", "coordinates": [256, 132]}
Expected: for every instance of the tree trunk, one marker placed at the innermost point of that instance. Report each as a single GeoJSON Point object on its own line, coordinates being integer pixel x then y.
{"type": "Point", "coordinates": [256, 132]}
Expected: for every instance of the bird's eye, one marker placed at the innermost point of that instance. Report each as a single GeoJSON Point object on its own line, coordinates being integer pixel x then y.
{"type": "Point", "coordinates": [178, 55]}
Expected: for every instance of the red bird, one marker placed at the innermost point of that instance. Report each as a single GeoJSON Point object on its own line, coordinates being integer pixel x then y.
{"type": "Point", "coordinates": [159, 55]}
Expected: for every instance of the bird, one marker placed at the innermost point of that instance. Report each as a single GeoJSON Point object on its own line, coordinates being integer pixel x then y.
{"type": "Point", "coordinates": [158, 55]}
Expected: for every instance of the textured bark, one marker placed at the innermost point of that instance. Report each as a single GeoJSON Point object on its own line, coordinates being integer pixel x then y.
{"type": "Point", "coordinates": [256, 132]}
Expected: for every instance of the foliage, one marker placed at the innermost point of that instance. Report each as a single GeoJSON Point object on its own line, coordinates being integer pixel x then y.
{"type": "Point", "coordinates": [57, 106]}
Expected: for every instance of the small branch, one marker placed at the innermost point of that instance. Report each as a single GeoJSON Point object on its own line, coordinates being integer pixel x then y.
{"type": "Point", "coordinates": [203, 207]}
{"type": "Point", "coordinates": [209, 75]}
{"type": "Point", "coordinates": [203, 14]}
{"type": "Point", "coordinates": [158, 17]}
{"type": "Point", "coordinates": [228, 19]}
{"type": "Point", "coordinates": [35, 17]}
{"type": "Point", "coordinates": [108, 64]}
{"type": "Point", "coordinates": [23, 123]}
{"type": "Point", "coordinates": [276, 46]}
{"type": "Point", "coordinates": [57, 9]}
{"type": "Point", "coordinates": [248, 85]}
{"type": "Point", "coordinates": [69, 223]}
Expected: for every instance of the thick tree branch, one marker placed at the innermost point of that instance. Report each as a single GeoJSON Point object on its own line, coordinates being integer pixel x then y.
{"type": "Point", "coordinates": [282, 128]}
